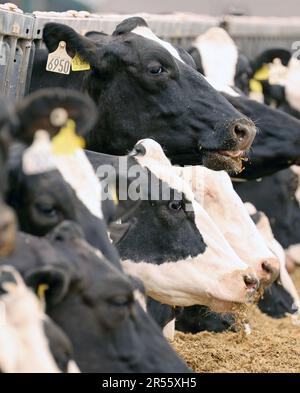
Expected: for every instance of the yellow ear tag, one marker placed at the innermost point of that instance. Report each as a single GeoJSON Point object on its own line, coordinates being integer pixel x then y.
{"type": "Point", "coordinates": [255, 86]}
{"type": "Point", "coordinates": [262, 73]}
{"type": "Point", "coordinates": [41, 291]}
{"type": "Point", "coordinates": [67, 141]}
{"type": "Point", "coordinates": [79, 65]}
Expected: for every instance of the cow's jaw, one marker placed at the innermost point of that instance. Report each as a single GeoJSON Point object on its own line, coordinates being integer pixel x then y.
{"type": "Point", "coordinates": [228, 160]}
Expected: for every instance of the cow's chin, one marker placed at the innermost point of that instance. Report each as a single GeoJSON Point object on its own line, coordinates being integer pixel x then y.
{"type": "Point", "coordinates": [221, 306]}
{"type": "Point", "coordinates": [218, 161]}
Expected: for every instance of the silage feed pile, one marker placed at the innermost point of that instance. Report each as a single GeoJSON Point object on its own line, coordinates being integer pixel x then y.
{"type": "Point", "coordinates": [273, 346]}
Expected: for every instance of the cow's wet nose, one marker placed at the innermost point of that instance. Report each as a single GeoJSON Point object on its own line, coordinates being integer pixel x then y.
{"type": "Point", "coordinates": [270, 269]}
{"type": "Point", "coordinates": [252, 283]}
{"type": "Point", "coordinates": [243, 132]}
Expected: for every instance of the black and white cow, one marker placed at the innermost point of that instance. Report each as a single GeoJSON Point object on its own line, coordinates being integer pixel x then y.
{"type": "Point", "coordinates": [276, 146]}
{"type": "Point", "coordinates": [93, 303]}
{"type": "Point", "coordinates": [143, 88]}
{"type": "Point", "coordinates": [214, 191]}
{"type": "Point", "coordinates": [29, 340]}
{"type": "Point", "coordinates": [191, 245]}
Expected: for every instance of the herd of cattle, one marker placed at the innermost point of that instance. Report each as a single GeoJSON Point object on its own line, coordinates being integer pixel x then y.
{"type": "Point", "coordinates": [105, 251]}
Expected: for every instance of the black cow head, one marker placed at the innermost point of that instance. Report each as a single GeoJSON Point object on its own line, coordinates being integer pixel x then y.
{"type": "Point", "coordinates": [143, 90]}
{"type": "Point", "coordinates": [44, 199]}
{"type": "Point", "coordinates": [169, 214]}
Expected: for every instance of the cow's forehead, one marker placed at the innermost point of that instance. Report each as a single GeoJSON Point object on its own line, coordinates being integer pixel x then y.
{"type": "Point", "coordinates": [167, 175]}
{"type": "Point", "coordinates": [147, 33]}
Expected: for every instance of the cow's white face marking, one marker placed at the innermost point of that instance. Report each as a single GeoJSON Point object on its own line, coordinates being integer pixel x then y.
{"type": "Point", "coordinates": [292, 85]}
{"type": "Point", "coordinates": [222, 88]}
{"type": "Point", "coordinates": [214, 191]}
{"type": "Point", "coordinates": [23, 344]}
{"type": "Point", "coordinates": [219, 56]}
{"type": "Point", "coordinates": [208, 278]}
{"type": "Point", "coordinates": [146, 32]}
{"type": "Point", "coordinates": [75, 168]}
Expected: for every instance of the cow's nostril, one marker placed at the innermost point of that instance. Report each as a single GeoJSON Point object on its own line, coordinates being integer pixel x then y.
{"type": "Point", "coordinates": [240, 132]}
{"type": "Point", "coordinates": [251, 282]}
{"type": "Point", "coordinates": [243, 133]}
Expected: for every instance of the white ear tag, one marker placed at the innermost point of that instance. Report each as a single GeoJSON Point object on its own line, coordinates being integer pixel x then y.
{"type": "Point", "coordinates": [38, 158]}
{"type": "Point", "coordinates": [59, 61]}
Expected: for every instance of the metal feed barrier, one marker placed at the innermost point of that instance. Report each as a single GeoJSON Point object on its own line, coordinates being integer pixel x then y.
{"type": "Point", "coordinates": [21, 34]}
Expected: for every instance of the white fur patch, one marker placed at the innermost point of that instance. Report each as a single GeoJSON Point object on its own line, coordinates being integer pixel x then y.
{"type": "Point", "coordinates": [277, 73]}
{"type": "Point", "coordinates": [145, 32]}
{"type": "Point", "coordinates": [222, 88]}
{"type": "Point", "coordinates": [292, 86]}
{"type": "Point", "coordinates": [219, 56]}
{"type": "Point", "coordinates": [38, 158]}
{"type": "Point", "coordinates": [141, 298]}
{"type": "Point", "coordinates": [214, 191]}
{"type": "Point", "coordinates": [75, 168]}
{"type": "Point", "coordinates": [195, 280]}
{"type": "Point", "coordinates": [169, 330]}
{"type": "Point", "coordinates": [23, 345]}
{"type": "Point", "coordinates": [72, 368]}
{"type": "Point", "coordinates": [78, 172]}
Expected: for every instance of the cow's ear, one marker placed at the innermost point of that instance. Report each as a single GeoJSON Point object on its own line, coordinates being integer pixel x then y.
{"type": "Point", "coordinates": [49, 109]}
{"type": "Point", "coordinates": [49, 282]}
{"type": "Point", "coordinates": [129, 24]}
{"type": "Point", "coordinates": [186, 56]}
{"type": "Point", "coordinates": [195, 54]}
{"type": "Point", "coordinates": [55, 32]}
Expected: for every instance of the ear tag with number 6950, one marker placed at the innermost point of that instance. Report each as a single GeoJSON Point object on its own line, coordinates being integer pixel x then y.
{"type": "Point", "coordinates": [59, 61]}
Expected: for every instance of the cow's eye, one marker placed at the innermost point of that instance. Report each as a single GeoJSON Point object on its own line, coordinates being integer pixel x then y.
{"type": "Point", "coordinates": [156, 70]}
{"type": "Point", "coordinates": [175, 205]}
{"type": "Point", "coordinates": [46, 209]}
